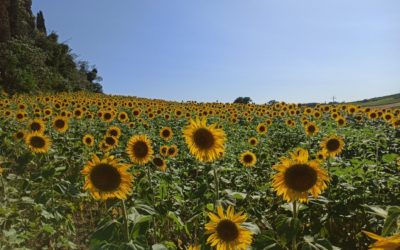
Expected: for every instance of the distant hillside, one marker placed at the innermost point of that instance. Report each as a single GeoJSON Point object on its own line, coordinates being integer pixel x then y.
{"type": "Point", "coordinates": [32, 61]}
{"type": "Point", "coordinates": [389, 101]}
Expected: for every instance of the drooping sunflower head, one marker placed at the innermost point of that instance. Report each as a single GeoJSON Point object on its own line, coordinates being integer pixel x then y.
{"type": "Point", "coordinates": [38, 142]}
{"type": "Point", "coordinates": [139, 149]}
{"type": "Point", "coordinates": [226, 230]}
{"type": "Point", "coordinates": [107, 178]}
{"type": "Point", "coordinates": [166, 133]}
{"type": "Point", "coordinates": [297, 177]}
{"type": "Point", "coordinates": [253, 141]}
{"type": "Point", "coordinates": [206, 143]}
{"type": "Point", "coordinates": [248, 159]}
{"type": "Point", "coordinates": [37, 125]}
{"type": "Point", "coordinates": [60, 123]}
{"type": "Point", "coordinates": [332, 145]}
{"type": "Point", "coordinates": [160, 163]}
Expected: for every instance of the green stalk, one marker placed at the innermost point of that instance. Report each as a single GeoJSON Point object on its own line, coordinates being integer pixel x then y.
{"type": "Point", "coordinates": [126, 228]}
{"type": "Point", "coordinates": [216, 186]}
{"type": "Point", "coordinates": [295, 213]}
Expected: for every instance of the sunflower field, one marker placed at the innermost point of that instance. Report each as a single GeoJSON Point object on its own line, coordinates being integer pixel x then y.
{"type": "Point", "coordinates": [93, 171]}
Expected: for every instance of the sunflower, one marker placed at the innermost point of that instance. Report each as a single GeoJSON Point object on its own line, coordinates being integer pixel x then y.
{"type": "Point", "coordinates": [166, 133]}
{"type": "Point", "coordinates": [60, 124]}
{"type": "Point", "coordinates": [37, 142]}
{"type": "Point", "coordinates": [107, 178]}
{"type": "Point", "coordinates": [341, 121]}
{"type": "Point", "coordinates": [206, 143]}
{"type": "Point", "coordinates": [88, 140]}
{"type": "Point", "coordinates": [194, 247]}
{"type": "Point", "coordinates": [160, 163]}
{"type": "Point", "coordinates": [172, 151]}
{"type": "Point", "coordinates": [253, 141]}
{"type": "Point", "coordinates": [114, 131]}
{"type": "Point", "coordinates": [384, 243]}
{"type": "Point", "coordinates": [37, 125]}
{"type": "Point", "coordinates": [332, 145]}
{"type": "Point", "coordinates": [262, 128]}
{"type": "Point", "coordinates": [20, 135]}
{"type": "Point", "coordinates": [311, 129]}
{"type": "Point", "coordinates": [321, 155]}
{"type": "Point", "coordinates": [164, 150]}
{"type": "Point", "coordinates": [297, 177]}
{"type": "Point", "coordinates": [111, 141]}
{"type": "Point", "coordinates": [139, 149]}
{"type": "Point", "coordinates": [248, 159]}
{"type": "Point", "coordinates": [226, 230]}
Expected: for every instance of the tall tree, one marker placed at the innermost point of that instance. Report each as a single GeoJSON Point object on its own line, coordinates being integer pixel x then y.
{"type": "Point", "coordinates": [40, 22]}
{"type": "Point", "coordinates": [5, 32]}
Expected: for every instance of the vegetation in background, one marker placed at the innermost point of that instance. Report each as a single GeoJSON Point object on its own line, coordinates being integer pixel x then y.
{"type": "Point", "coordinates": [33, 61]}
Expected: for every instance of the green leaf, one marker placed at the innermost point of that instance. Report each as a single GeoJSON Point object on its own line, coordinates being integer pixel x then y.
{"type": "Point", "coordinates": [389, 157]}
{"type": "Point", "coordinates": [159, 247]}
{"type": "Point", "coordinates": [176, 219]}
{"type": "Point", "coordinates": [391, 222]}
{"type": "Point", "coordinates": [377, 210]}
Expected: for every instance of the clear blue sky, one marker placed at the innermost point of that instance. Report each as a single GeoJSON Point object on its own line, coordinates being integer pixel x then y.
{"type": "Point", "coordinates": [207, 50]}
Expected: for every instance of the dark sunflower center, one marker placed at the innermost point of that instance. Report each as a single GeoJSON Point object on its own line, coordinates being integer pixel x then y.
{"type": "Point", "coordinates": [171, 151]}
{"type": "Point", "coordinates": [122, 116]}
{"type": "Point", "coordinates": [59, 123]}
{"type": "Point", "coordinates": [300, 177]}
{"type": "Point", "coordinates": [252, 142]}
{"type": "Point", "coordinates": [311, 129]}
{"type": "Point", "coordinates": [35, 126]}
{"type": "Point", "coordinates": [227, 230]}
{"type": "Point", "coordinates": [341, 121]}
{"type": "Point", "coordinates": [333, 145]}
{"type": "Point", "coordinates": [110, 140]}
{"type": "Point", "coordinates": [88, 140]}
{"type": "Point", "coordinates": [105, 177]}
{"type": "Point", "coordinates": [248, 158]}
{"type": "Point", "coordinates": [203, 138]}
{"type": "Point", "coordinates": [140, 149]}
{"type": "Point", "coordinates": [262, 129]}
{"type": "Point", "coordinates": [107, 116]}
{"type": "Point", "coordinates": [113, 132]}
{"type": "Point", "coordinates": [20, 135]}
{"type": "Point", "coordinates": [38, 142]}
{"type": "Point", "coordinates": [164, 150]}
{"type": "Point", "coordinates": [158, 162]}
{"type": "Point", "coordinates": [166, 133]}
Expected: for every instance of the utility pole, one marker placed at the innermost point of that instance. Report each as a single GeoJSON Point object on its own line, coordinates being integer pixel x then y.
{"type": "Point", "coordinates": [333, 99]}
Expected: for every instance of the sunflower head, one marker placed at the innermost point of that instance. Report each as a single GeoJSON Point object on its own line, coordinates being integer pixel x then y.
{"type": "Point", "coordinates": [261, 128]}
{"type": "Point", "coordinates": [311, 129]}
{"type": "Point", "coordinates": [107, 178]}
{"type": "Point", "coordinates": [226, 230]}
{"type": "Point", "coordinates": [164, 150]}
{"type": "Point", "coordinates": [248, 159]}
{"type": "Point", "coordinates": [332, 145]}
{"type": "Point", "coordinates": [297, 177]}
{"type": "Point", "coordinates": [37, 125]}
{"type": "Point", "coordinates": [384, 243]}
{"type": "Point", "coordinates": [206, 143]}
{"type": "Point", "coordinates": [60, 123]}
{"type": "Point", "coordinates": [139, 149]}
{"type": "Point", "coordinates": [253, 141]}
{"type": "Point", "coordinates": [160, 163]}
{"type": "Point", "coordinates": [88, 140]}
{"type": "Point", "coordinates": [166, 133]}
{"type": "Point", "coordinates": [172, 151]}
{"type": "Point", "coordinates": [37, 142]}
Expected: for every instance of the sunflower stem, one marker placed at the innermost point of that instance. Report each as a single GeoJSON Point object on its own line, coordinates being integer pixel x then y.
{"type": "Point", "coordinates": [216, 186]}
{"type": "Point", "coordinates": [126, 228]}
{"type": "Point", "coordinates": [295, 213]}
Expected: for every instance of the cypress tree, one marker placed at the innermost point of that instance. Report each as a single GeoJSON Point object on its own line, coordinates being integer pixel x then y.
{"type": "Point", "coordinates": [40, 23]}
